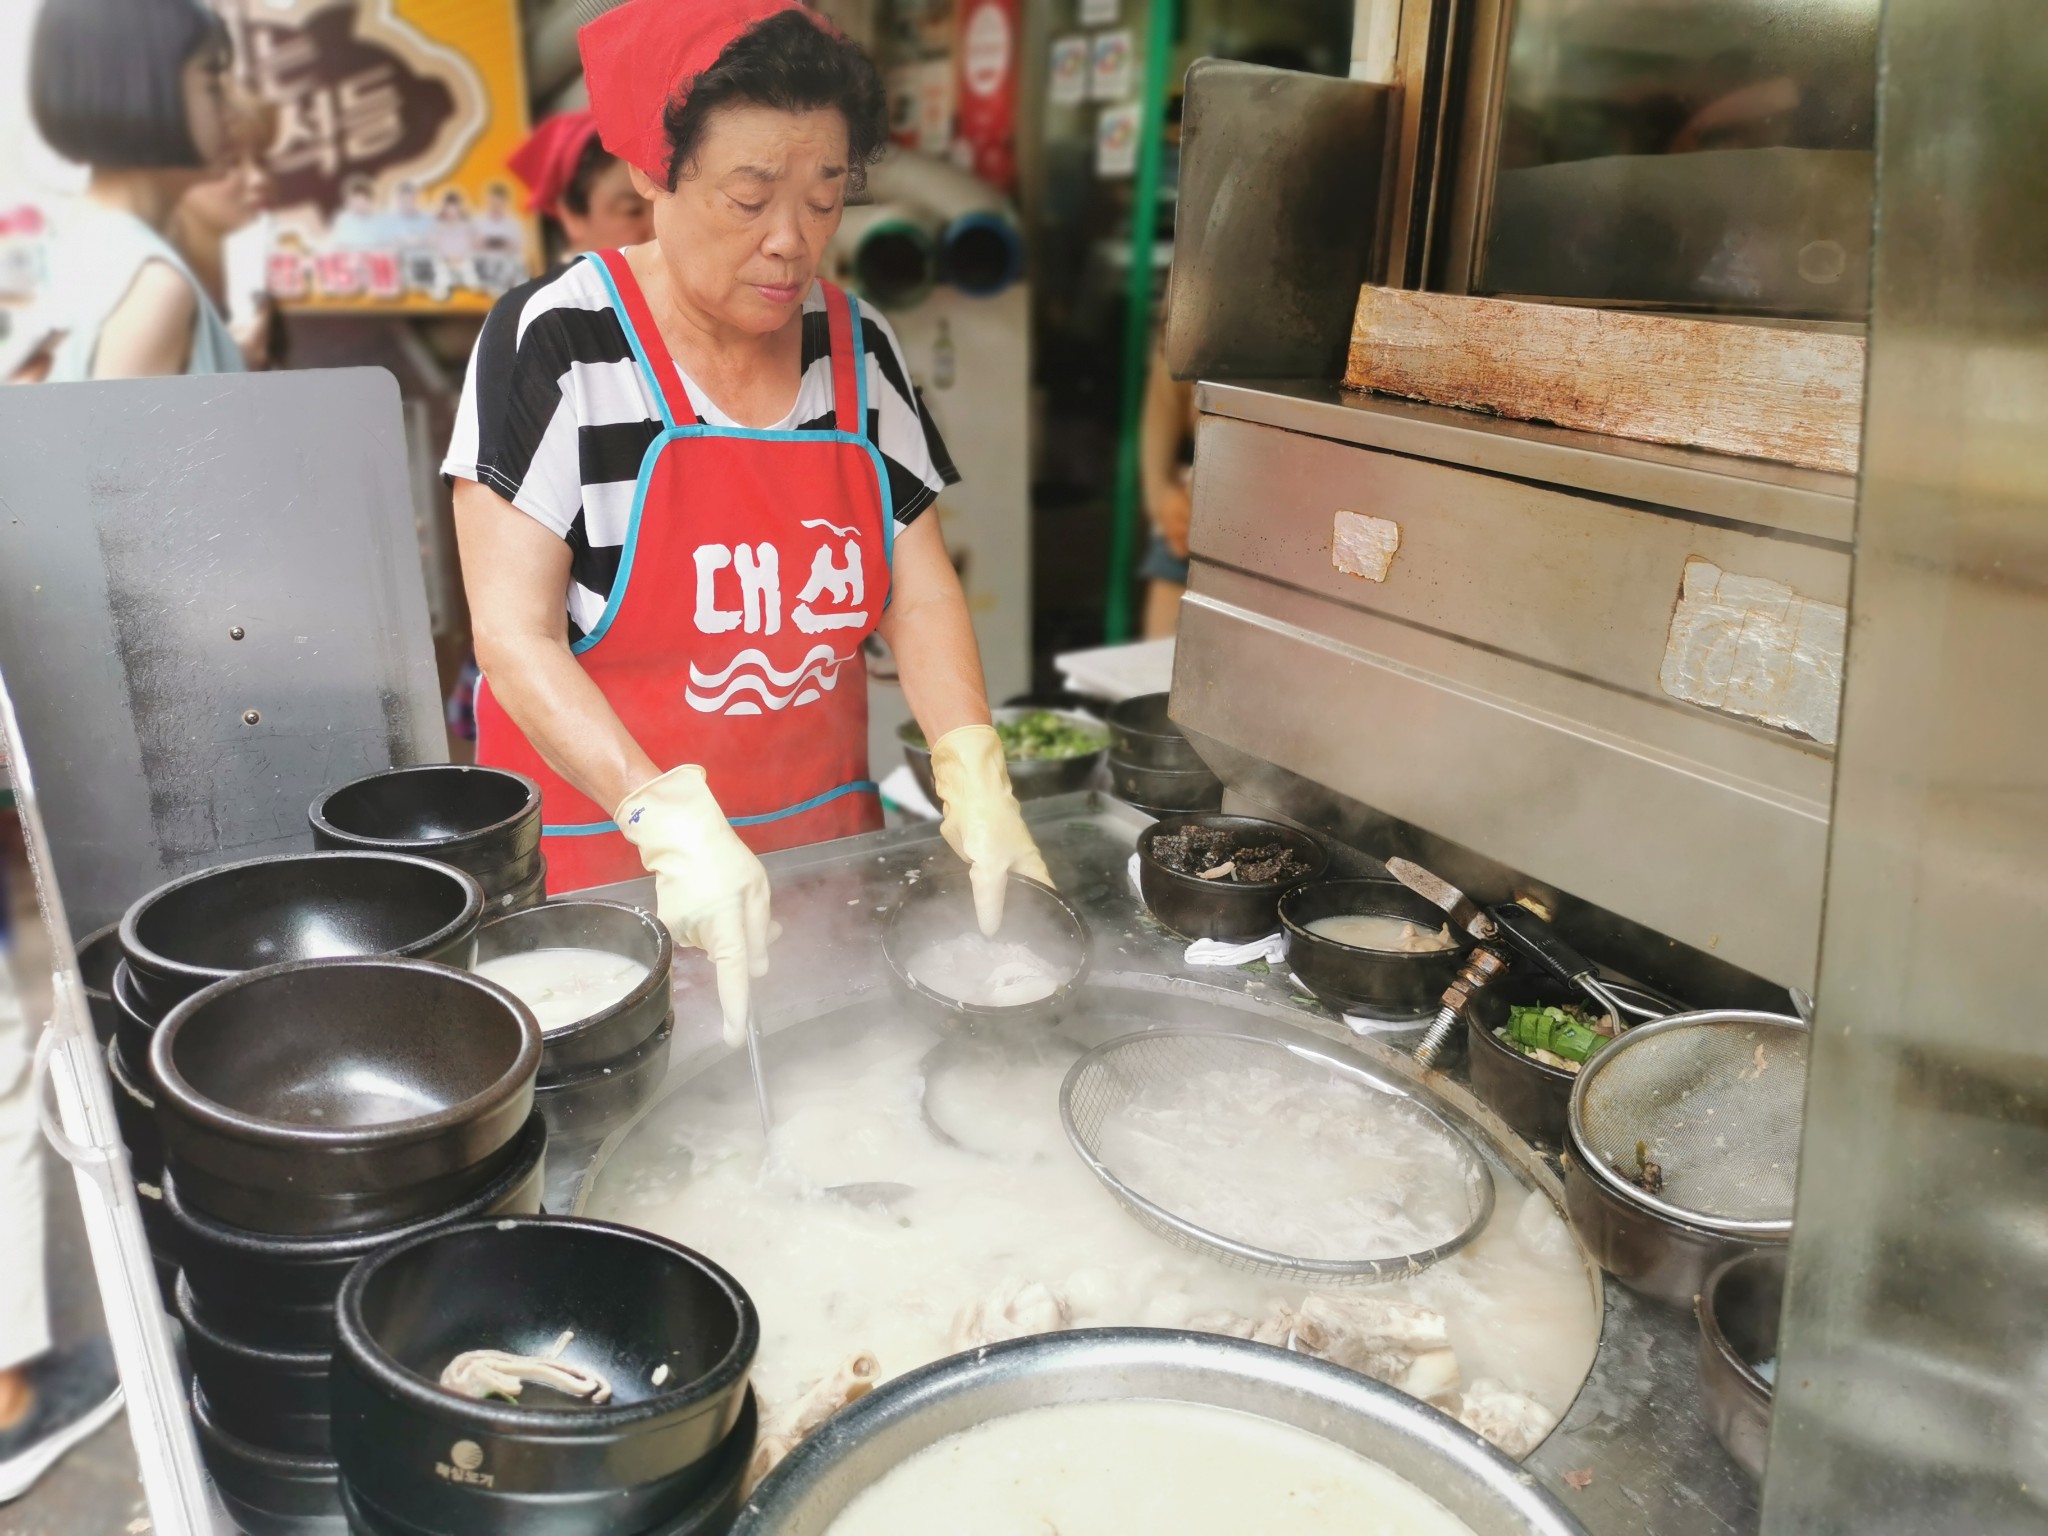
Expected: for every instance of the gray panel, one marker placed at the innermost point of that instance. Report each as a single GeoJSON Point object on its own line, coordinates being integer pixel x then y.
{"type": "Point", "coordinates": [1279, 202]}
{"type": "Point", "coordinates": [1792, 500]}
{"type": "Point", "coordinates": [1914, 1367]}
{"type": "Point", "coordinates": [145, 523]}
{"type": "Point", "coordinates": [1580, 584]}
{"type": "Point", "coordinates": [1543, 773]}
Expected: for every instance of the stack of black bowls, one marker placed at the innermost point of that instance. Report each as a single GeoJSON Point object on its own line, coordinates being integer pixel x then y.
{"type": "Point", "coordinates": [311, 1113]}
{"type": "Point", "coordinates": [599, 1071]}
{"type": "Point", "coordinates": [482, 821]}
{"type": "Point", "coordinates": [219, 922]}
{"type": "Point", "coordinates": [670, 1333]}
{"type": "Point", "coordinates": [1152, 765]}
{"type": "Point", "coordinates": [98, 955]}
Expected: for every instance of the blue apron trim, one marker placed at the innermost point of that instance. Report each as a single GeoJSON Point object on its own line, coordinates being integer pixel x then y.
{"type": "Point", "coordinates": [633, 340]}
{"type": "Point", "coordinates": [851, 787]}
{"type": "Point", "coordinates": [673, 433]}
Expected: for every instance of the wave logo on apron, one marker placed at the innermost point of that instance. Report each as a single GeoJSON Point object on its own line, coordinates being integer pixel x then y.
{"type": "Point", "coordinates": [833, 597]}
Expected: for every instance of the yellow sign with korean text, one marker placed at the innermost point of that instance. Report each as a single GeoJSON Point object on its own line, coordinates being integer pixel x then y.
{"type": "Point", "coordinates": [394, 121]}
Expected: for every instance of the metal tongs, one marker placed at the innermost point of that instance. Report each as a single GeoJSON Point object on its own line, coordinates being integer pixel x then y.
{"type": "Point", "coordinates": [1523, 931]}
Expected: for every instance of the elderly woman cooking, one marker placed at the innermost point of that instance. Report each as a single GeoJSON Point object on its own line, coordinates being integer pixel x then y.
{"type": "Point", "coordinates": [692, 489]}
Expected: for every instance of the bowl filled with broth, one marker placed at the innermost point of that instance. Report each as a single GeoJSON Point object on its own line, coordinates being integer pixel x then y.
{"type": "Point", "coordinates": [1370, 947]}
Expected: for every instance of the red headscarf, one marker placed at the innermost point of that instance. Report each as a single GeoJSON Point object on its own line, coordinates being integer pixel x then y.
{"type": "Point", "coordinates": [638, 58]}
{"type": "Point", "coordinates": [547, 160]}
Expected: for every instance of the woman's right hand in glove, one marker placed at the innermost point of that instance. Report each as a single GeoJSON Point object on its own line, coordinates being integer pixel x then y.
{"type": "Point", "coordinates": [710, 889]}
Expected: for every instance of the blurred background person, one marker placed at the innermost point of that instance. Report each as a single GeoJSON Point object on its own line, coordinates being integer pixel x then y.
{"type": "Point", "coordinates": [217, 208]}
{"type": "Point", "coordinates": [136, 91]}
{"type": "Point", "coordinates": [584, 191]}
{"type": "Point", "coordinates": [1166, 464]}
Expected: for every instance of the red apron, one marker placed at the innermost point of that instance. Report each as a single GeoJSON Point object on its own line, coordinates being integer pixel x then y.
{"type": "Point", "coordinates": [755, 564]}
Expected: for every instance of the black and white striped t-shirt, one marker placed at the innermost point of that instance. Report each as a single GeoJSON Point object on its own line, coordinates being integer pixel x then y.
{"type": "Point", "coordinates": [556, 416]}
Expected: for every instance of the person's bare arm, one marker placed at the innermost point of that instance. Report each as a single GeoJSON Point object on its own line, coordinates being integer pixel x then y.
{"type": "Point", "coordinates": [516, 574]}
{"type": "Point", "coordinates": [149, 333]}
{"type": "Point", "coordinates": [927, 626]}
{"type": "Point", "coordinates": [1162, 427]}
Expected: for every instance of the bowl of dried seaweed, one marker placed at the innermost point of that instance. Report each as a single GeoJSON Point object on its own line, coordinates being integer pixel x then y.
{"type": "Point", "coordinates": [1211, 876]}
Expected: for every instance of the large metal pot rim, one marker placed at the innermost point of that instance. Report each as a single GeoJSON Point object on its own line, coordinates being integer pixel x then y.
{"type": "Point", "coordinates": [187, 1101]}
{"type": "Point", "coordinates": [203, 975]}
{"type": "Point", "coordinates": [1057, 1368]}
{"type": "Point", "coordinates": [367, 1356]}
{"type": "Point", "coordinates": [366, 843]}
{"type": "Point", "coordinates": [1775, 1230]}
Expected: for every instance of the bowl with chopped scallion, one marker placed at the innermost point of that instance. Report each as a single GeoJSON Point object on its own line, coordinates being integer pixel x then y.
{"type": "Point", "coordinates": [1050, 751]}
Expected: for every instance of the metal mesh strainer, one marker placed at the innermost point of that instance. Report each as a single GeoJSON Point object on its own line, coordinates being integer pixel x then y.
{"type": "Point", "coordinates": [1715, 1100]}
{"type": "Point", "coordinates": [1142, 1072]}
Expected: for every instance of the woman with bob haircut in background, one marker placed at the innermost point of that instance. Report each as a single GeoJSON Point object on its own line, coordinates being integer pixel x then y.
{"type": "Point", "coordinates": [136, 91]}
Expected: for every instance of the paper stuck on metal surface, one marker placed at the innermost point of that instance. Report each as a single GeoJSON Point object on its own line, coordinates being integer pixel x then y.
{"type": "Point", "coordinates": [1361, 545]}
{"type": "Point", "coordinates": [1750, 646]}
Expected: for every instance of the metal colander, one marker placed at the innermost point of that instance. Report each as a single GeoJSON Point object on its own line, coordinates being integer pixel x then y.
{"type": "Point", "coordinates": [1108, 1078]}
{"type": "Point", "coordinates": [1715, 1100]}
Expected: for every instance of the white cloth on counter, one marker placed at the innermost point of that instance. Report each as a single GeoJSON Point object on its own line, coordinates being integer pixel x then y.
{"type": "Point", "coordinates": [900, 788]}
{"type": "Point", "coordinates": [1272, 949]}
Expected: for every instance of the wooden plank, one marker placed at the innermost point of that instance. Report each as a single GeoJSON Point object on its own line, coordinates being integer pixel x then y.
{"type": "Point", "coordinates": [1759, 391]}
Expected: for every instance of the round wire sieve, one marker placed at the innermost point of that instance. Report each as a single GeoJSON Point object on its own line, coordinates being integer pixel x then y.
{"type": "Point", "coordinates": [1714, 1099]}
{"type": "Point", "coordinates": [1112, 1075]}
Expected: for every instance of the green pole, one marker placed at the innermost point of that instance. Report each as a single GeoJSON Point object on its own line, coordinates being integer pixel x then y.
{"type": "Point", "coordinates": [1127, 510]}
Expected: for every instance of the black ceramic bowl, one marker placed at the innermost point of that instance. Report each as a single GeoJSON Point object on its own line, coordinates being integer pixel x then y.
{"type": "Point", "coordinates": [135, 1118]}
{"type": "Point", "coordinates": [1379, 984]}
{"type": "Point", "coordinates": [275, 1399]}
{"type": "Point", "coordinates": [615, 928]}
{"type": "Point", "coordinates": [1032, 778]}
{"type": "Point", "coordinates": [134, 1026]}
{"type": "Point", "coordinates": [585, 1106]}
{"type": "Point", "coordinates": [1532, 1096]}
{"type": "Point", "coordinates": [941, 906]}
{"type": "Point", "coordinates": [279, 1291]}
{"type": "Point", "coordinates": [1738, 1311]}
{"type": "Point", "coordinates": [710, 1511]}
{"type": "Point", "coordinates": [1196, 908]}
{"type": "Point", "coordinates": [1167, 789]}
{"type": "Point", "coordinates": [339, 1095]}
{"type": "Point", "coordinates": [635, 1302]}
{"type": "Point", "coordinates": [297, 906]}
{"type": "Point", "coordinates": [269, 1493]}
{"type": "Point", "coordinates": [483, 821]}
{"type": "Point", "coordinates": [98, 954]}
{"type": "Point", "coordinates": [1141, 734]}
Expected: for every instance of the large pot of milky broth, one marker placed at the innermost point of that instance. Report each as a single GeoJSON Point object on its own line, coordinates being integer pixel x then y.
{"type": "Point", "coordinates": [1114, 1430]}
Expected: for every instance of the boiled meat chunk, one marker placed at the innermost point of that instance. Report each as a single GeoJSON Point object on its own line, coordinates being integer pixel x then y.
{"type": "Point", "coordinates": [1514, 1423]}
{"type": "Point", "coordinates": [780, 1432]}
{"type": "Point", "coordinates": [1011, 1311]}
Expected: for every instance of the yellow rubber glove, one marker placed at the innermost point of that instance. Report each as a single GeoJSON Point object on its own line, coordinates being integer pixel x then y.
{"type": "Point", "coordinates": [983, 823]}
{"type": "Point", "coordinates": [709, 888]}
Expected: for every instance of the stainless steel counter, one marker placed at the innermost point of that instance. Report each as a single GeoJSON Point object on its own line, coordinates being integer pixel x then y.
{"type": "Point", "coordinates": [1634, 1438]}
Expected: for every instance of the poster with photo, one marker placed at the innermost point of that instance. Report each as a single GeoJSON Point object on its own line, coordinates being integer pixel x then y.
{"type": "Point", "coordinates": [1109, 73]}
{"type": "Point", "coordinates": [394, 121]}
{"type": "Point", "coordinates": [1116, 141]}
{"type": "Point", "coordinates": [1067, 78]}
